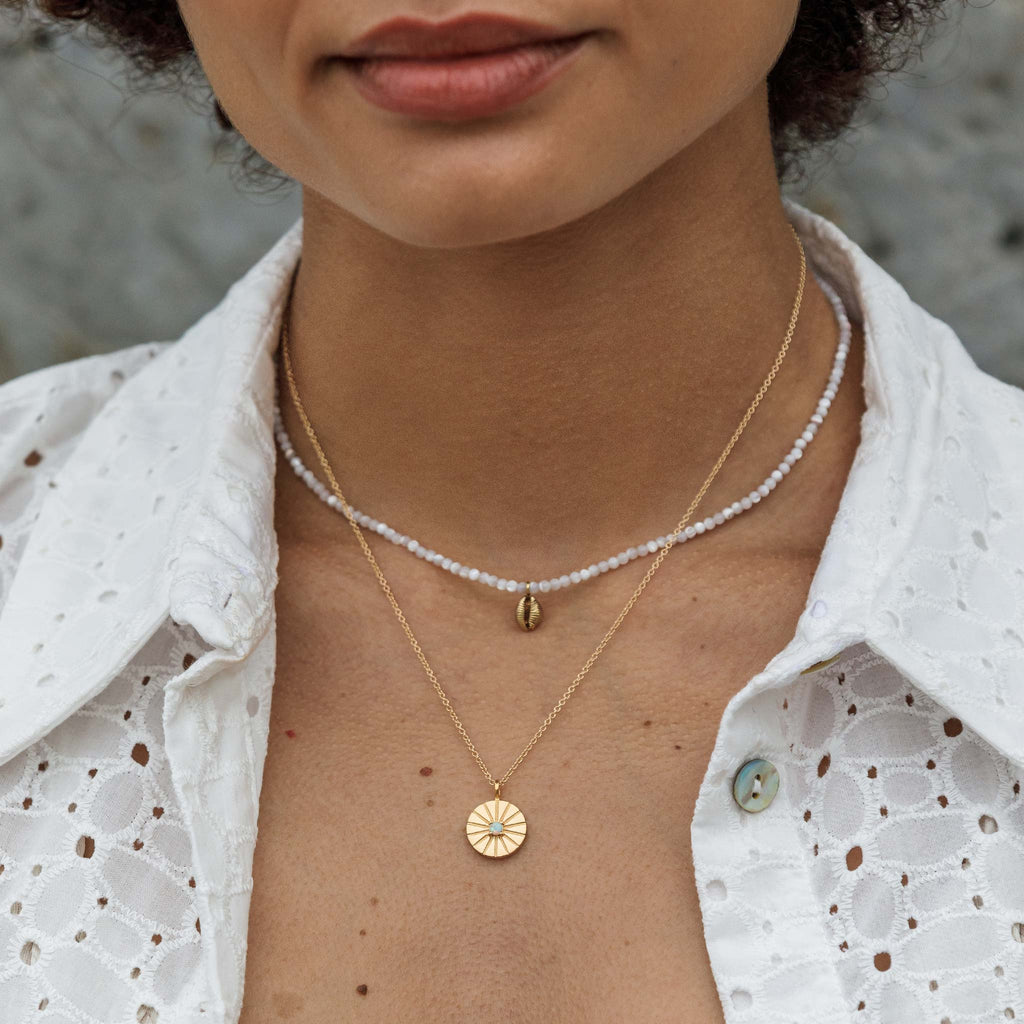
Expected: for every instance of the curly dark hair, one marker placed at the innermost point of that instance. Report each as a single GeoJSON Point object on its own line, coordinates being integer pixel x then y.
{"type": "Point", "coordinates": [822, 77]}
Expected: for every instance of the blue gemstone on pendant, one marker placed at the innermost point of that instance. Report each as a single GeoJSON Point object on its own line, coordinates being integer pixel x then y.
{"type": "Point", "coordinates": [497, 828]}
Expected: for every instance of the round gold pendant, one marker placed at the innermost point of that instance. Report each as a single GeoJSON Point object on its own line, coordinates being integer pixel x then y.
{"type": "Point", "coordinates": [528, 611]}
{"type": "Point", "coordinates": [496, 828]}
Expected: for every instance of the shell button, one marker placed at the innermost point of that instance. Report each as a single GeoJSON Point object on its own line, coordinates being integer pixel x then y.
{"type": "Point", "coordinates": [755, 785]}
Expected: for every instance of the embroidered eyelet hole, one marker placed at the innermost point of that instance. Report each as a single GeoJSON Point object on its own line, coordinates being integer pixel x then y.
{"type": "Point", "coordinates": [741, 999]}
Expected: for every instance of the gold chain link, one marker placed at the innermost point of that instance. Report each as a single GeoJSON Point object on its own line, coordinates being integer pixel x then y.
{"type": "Point", "coordinates": [300, 409]}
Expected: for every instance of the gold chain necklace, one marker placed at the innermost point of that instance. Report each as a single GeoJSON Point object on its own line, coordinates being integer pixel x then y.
{"type": "Point", "coordinates": [496, 827]}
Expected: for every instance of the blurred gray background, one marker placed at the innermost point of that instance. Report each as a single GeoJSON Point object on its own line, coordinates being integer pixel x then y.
{"type": "Point", "coordinates": [121, 223]}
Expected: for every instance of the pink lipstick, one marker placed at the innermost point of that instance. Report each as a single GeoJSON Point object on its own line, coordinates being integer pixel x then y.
{"type": "Point", "coordinates": [472, 66]}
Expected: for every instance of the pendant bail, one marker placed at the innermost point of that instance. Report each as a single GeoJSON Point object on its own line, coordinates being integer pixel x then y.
{"type": "Point", "coordinates": [497, 791]}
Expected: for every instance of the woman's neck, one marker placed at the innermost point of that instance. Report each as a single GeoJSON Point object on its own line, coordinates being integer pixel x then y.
{"type": "Point", "coordinates": [550, 399]}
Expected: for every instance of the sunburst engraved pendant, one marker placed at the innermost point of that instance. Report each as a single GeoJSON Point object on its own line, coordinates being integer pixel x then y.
{"type": "Point", "coordinates": [496, 828]}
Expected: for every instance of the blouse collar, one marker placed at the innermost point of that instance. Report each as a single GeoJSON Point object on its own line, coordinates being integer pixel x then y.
{"type": "Point", "coordinates": [203, 462]}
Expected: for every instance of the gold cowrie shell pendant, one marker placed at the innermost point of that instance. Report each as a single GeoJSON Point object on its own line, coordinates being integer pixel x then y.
{"type": "Point", "coordinates": [528, 611]}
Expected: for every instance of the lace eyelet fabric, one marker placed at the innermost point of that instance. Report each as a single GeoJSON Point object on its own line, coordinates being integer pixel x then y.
{"type": "Point", "coordinates": [881, 883]}
{"type": "Point", "coordinates": [904, 859]}
{"type": "Point", "coordinates": [100, 916]}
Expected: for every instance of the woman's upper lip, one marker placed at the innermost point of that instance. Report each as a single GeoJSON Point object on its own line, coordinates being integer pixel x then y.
{"type": "Point", "coordinates": [475, 32]}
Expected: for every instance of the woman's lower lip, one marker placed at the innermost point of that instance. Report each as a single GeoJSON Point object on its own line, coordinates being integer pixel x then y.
{"type": "Point", "coordinates": [461, 87]}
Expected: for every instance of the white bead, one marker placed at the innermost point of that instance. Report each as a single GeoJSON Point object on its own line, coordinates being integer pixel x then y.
{"type": "Point", "coordinates": [736, 507]}
{"type": "Point", "coordinates": [790, 459]}
{"type": "Point", "coordinates": [800, 443]}
{"type": "Point", "coordinates": [746, 503]}
{"type": "Point", "coordinates": [783, 467]}
{"type": "Point", "coordinates": [593, 569]}
{"type": "Point", "coordinates": [603, 566]}
{"type": "Point", "coordinates": [709, 523]}
{"type": "Point", "coordinates": [797, 453]}
{"type": "Point", "coordinates": [334, 501]}
{"type": "Point", "coordinates": [826, 402]}
{"type": "Point", "coordinates": [652, 546]}
{"type": "Point", "coordinates": [474, 574]}
{"type": "Point", "coordinates": [564, 581]}
{"type": "Point", "coordinates": [691, 531]}
{"type": "Point", "coordinates": [808, 434]}
{"type": "Point", "coordinates": [699, 528]}
{"type": "Point", "coordinates": [464, 572]}
{"type": "Point", "coordinates": [501, 583]}
{"type": "Point", "coordinates": [817, 419]}
{"type": "Point", "coordinates": [661, 541]}
{"type": "Point", "coordinates": [520, 587]}
{"type": "Point", "coordinates": [763, 491]}
{"type": "Point", "coordinates": [584, 574]}
{"type": "Point", "coordinates": [776, 474]}
{"type": "Point", "coordinates": [455, 567]}
{"type": "Point", "coordinates": [631, 553]}
{"type": "Point", "coordinates": [545, 586]}
{"type": "Point", "coordinates": [830, 393]}
{"type": "Point", "coordinates": [575, 577]}
{"type": "Point", "coordinates": [623, 557]}
{"type": "Point", "coordinates": [718, 519]}
{"type": "Point", "coordinates": [755, 496]}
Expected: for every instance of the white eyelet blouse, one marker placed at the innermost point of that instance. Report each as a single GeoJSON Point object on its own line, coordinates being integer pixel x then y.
{"type": "Point", "coordinates": [881, 883]}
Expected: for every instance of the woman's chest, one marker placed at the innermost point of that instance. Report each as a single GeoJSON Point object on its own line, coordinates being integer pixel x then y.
{"type": "Point", "coordinates": [376, 904]}
{"type": "Point", "coordinates": [368, 896]}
